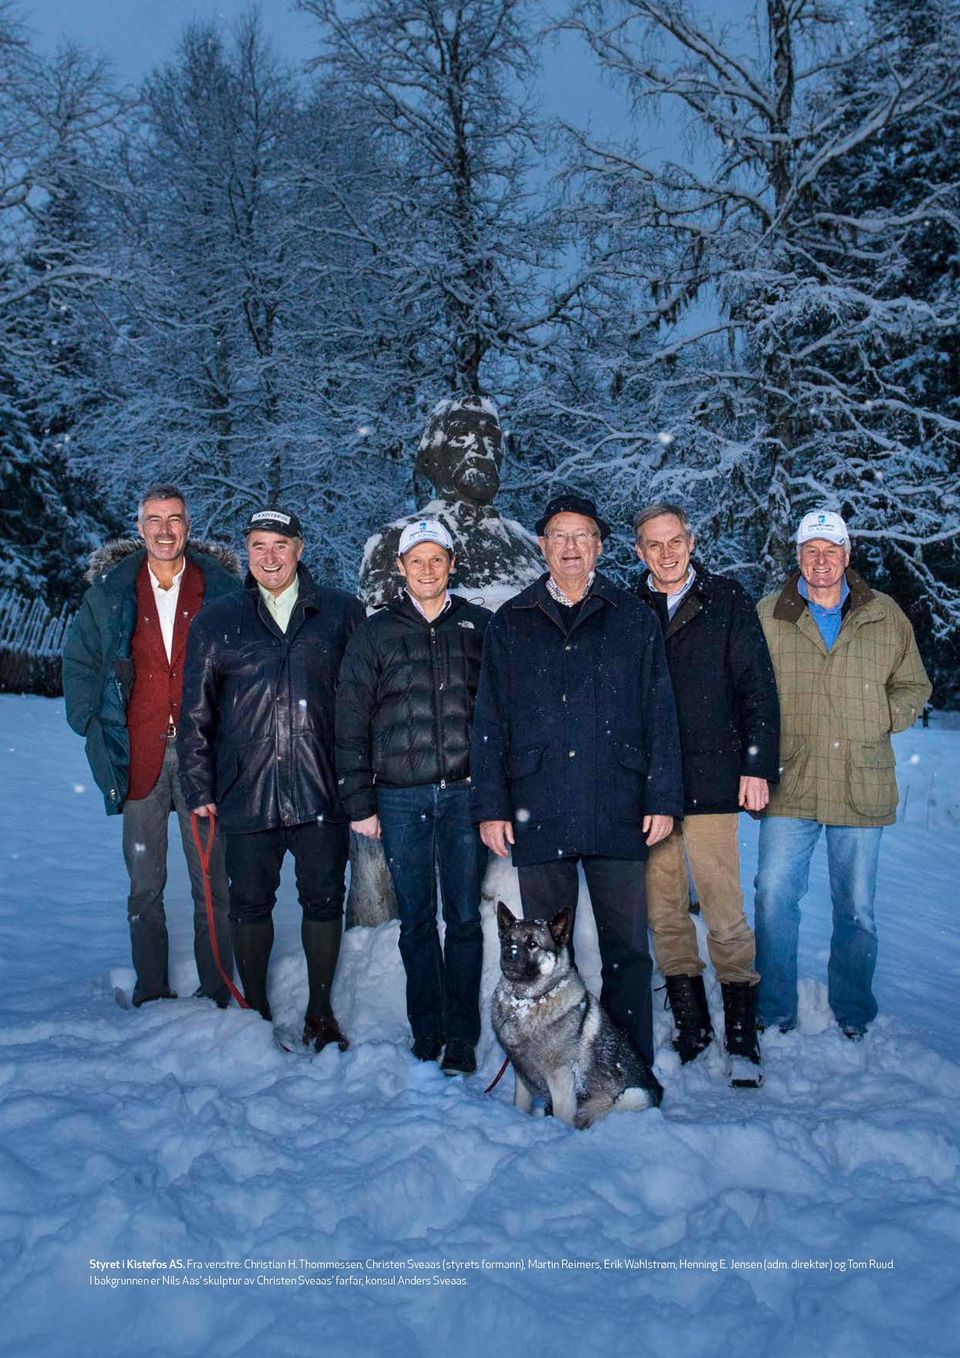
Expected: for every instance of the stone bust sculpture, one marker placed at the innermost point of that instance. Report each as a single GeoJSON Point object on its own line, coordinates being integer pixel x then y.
{"type": "Point", "coordinates": [460, 453]}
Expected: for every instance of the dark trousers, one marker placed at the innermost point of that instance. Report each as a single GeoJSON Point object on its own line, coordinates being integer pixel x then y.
{"type": "Point", "coordinates": [426, 829]}
{"type": "Point", "coordinates": [145, 825]}
{"type": "Point", "coordinates": [619, 899]}
{"type": "Point", "coordinates": [254, 861]}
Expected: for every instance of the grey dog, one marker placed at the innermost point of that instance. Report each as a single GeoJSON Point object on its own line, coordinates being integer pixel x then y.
{"type": "Point", "coordinates": [563, 1046]}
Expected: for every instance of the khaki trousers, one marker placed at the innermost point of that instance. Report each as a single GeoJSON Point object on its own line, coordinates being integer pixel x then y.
{"type": "Point", "coordinates": [709, 844]}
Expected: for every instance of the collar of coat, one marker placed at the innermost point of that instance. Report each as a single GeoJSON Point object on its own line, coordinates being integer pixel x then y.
{"type": "Point", "coordinates": [404, 607]}
{"type": "Point", "coordinates": [116, 563]}
{"type": "Point", "coordinates": [791, 605]}
{"type": "Point", "coordinates": [699, 593]}
{"type": "Point", "coordinates": [308, 595]}
{"type": "Point", "coordinates": [537, 594]}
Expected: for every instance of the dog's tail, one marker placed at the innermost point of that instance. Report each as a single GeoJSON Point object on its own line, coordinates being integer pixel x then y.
{"type": "Point", "coordinates": [637, 1098]}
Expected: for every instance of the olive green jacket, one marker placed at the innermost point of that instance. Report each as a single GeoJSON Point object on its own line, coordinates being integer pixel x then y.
{"type": "Point", "coordinates": [838, 708]}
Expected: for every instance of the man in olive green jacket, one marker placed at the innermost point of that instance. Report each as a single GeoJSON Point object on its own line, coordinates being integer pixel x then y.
{"type": "Point", "coordinates": [848, 675]}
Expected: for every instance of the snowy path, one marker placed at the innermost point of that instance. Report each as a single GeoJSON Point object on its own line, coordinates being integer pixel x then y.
{"type": "Point", "coordinates": [179, 1132]}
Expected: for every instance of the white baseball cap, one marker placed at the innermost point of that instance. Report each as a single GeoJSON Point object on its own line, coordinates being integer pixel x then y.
{"type": "Point", "coordinates": [823, 523]}
{"type": "Point", "coordinates": [424, 530]}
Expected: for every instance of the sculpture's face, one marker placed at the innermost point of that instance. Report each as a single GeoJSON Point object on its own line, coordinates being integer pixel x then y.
{"type": "Point", "coordinates": [462, 457]}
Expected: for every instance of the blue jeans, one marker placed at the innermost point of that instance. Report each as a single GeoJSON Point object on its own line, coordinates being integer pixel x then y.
{"type": "Point", "coordinates": [786, 846]}
{"type": "Point", "coordinates": [424, 829]}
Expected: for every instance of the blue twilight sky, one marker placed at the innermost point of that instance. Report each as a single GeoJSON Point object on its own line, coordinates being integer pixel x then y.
{"type": "Point", "coordinates": [137, 35]}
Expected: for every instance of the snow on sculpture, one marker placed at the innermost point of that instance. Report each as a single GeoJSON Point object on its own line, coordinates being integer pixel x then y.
{"type": "Point", "coordinates": [460, 453]}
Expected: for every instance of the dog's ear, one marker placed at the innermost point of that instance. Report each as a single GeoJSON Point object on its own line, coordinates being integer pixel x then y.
{"type": "Point", "coordinates": [561, 927]}
{"type": "Point", "coordinates": [505, 917]}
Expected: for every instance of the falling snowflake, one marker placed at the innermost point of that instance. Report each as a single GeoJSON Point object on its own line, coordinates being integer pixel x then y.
{"type": "Point", "coordinates": [79, 787]}
{"type": "Point", "coordinates": [523, 815]}
{"type": "Point", "coordinates": [665, 438]}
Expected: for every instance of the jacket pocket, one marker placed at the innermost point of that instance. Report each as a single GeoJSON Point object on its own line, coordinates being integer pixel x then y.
{"type": "Point", "coordinates": [631, 757]}
{"type": "Point", "coordinates": [871, 779]}
{"type": "Point", "coordinates": [793, 766]}
{"type": "Point", "coordinates": [711, 776]}
{"type": "Point", "coordinates": [522, 763]}
{"type": "Point", "coordinates": [628, 782]}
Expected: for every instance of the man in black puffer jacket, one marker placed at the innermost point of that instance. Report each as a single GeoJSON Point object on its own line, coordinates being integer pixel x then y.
{"type": "Point", "coordinates": [404, 717]}
{"type": "Point", "coordinates": [729, 721]}
{"type": "Point", "coordinates": [255, 745]}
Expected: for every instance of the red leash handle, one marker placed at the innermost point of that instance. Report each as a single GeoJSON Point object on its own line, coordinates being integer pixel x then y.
{"type": "Point", "coordinates": [205, 851]}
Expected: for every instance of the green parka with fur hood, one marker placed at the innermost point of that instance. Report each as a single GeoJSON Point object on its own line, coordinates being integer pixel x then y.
{"type": "Point", "coordinates": [838, 708]}
{"type": "Point", "coordinates": [97, 666]}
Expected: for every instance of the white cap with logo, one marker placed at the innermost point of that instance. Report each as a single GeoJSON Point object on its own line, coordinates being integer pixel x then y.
{"type": "Point", "coordinates": [424, 530]}
{"type": "Point", "coordinates": [823, 523]}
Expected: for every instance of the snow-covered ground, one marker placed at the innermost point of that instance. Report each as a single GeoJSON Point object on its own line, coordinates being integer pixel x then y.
{"type": "Point", "coordinates": [818, 1216]}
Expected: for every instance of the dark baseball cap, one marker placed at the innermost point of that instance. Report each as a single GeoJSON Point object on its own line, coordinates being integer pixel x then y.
{"type": "Point", "coordinates": [569, 503]}
{"type": "Point", "coordinates": [274, 520]}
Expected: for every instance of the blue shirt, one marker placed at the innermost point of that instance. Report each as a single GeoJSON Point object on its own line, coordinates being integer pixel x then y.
{"type": "Point", "coordinates": [828, 620]}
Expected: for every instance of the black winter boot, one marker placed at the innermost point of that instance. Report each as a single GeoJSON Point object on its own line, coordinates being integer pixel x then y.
{"type": "Point", "coordinates": [740, 1021]}
{"type": "Point", "coordinates": [691, 1014]}
{"type": "Point", "coordinates": [251, 949]}
{"type": "Point", "coordinates": [321, 946]}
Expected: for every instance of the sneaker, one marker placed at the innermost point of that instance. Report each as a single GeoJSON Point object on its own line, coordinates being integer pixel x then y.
{"type": "Point", "coordinates": [853, 1031]}
{"type": "Point", "coordinates": [427, 1048]}
{"type": "Point", "coordinates": [323, 1030]}
{"type": "Point", "coordinates": [459, 1058]}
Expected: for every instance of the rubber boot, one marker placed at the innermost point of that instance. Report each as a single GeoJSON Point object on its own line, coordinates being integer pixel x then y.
{"type": "Point", "coordinates": [321, 946]}
{"type": "Point", "coordinates": [148, 946]}
{"type": "Point", "coordinates": [691, 1014]}
{"type": "Point", "coordinates": [251, 950]}
{"type": "Point", "coordinates": [740, 1022]}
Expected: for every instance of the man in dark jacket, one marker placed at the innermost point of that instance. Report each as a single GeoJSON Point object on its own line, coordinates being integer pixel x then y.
{"type": "Point", "coordinates": [256, 749]}
{"type": "Point", "coordinates": [404, 714]}
{"type": "Point", "coordinates": [575, 754]}
{"type": "Point", "coordinates": [729, 720]}
{"type": "Point", "coordinates": [122, 678]}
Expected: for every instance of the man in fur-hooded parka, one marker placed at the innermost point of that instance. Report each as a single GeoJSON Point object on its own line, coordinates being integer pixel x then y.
{"type": "Point", "coordinates": [122, 681]}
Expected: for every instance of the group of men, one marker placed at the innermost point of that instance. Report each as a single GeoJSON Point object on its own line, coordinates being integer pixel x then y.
{"type": "Point", "coordinates": [581, 726]}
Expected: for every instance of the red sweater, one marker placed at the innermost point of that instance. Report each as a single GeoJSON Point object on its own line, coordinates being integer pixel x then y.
{"type": "Point", "coordinates": [158, 682]}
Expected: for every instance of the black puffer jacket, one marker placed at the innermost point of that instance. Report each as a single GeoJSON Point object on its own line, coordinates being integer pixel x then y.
{"type": "Point", "coordinates": [724, 688]}
{"type": "Point", "coordinates": [256, 723]}
{"type": "Point", "coordinates": [405, 704]}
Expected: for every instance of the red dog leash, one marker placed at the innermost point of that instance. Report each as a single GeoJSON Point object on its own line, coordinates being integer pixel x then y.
{"type": "Point", "coordinates": [205, 850]}
{"type": "Point", "coordinates": [498, 1077]}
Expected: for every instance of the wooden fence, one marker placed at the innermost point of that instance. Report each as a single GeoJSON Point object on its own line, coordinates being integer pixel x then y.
{"type": "Point", "coordinates": [31, 639]}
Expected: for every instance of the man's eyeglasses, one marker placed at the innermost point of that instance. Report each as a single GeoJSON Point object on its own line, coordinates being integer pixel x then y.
{"type": "Point", "coordinates": [579, 539]}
